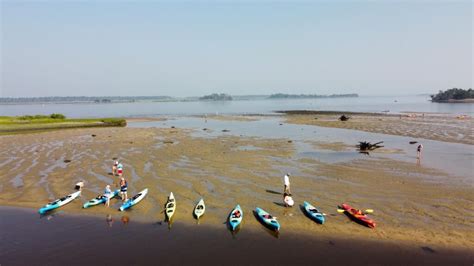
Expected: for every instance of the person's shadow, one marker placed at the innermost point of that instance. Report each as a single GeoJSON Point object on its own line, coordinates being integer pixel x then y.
{"type": "Point", "coordinates": [273, 192]}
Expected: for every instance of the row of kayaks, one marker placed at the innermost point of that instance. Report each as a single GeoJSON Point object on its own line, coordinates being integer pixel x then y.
{"type": "Point", "coordinates": [235, 216]}
{"type": "Point", "coordinates": [101, 199]}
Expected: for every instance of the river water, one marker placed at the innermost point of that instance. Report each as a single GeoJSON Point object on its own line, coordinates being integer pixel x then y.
{"type": "Point", "coordinates": [393, 104]}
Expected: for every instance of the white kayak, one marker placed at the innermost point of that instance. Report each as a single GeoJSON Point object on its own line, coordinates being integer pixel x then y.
{"type": "Point", "coordinates": [134, 200]}
{"type": "Point", "coordinates": [170, 206]}
{"type": "Point", "coordinates": [199, 209]}
{"type": "Point", "coordinates": [59, 202]}
{"type": "Point", "coordinates": [100, 199]}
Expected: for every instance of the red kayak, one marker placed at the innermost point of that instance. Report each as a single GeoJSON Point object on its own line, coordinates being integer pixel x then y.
{"type": "Point", "coordinates": [358, 215]}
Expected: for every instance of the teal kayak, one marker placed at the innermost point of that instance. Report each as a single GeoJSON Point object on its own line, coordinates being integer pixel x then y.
{"type": "Point", "coordinates": [313, 213]}
{"type": "Point", "coordinates": [59, 202]}
{"type": "Point", "coordinates": [134, 200]}
{"type": "Point", "coordinates": [267, 220]}
{"type": "Point", "coordinates": [101, 199]}
{"type": "Point", "coordinates": [235, 217]}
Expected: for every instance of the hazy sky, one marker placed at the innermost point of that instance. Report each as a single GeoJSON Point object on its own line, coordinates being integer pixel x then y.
{"type": "Point", "coordinates": [253, 47]}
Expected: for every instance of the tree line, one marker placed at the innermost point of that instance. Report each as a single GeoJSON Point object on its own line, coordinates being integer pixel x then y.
{"type": "Point", "coordinates": [453, 94]}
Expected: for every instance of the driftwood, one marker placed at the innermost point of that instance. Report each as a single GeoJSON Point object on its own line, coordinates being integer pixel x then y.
{"type": "Point", "coordinates": [365, 146]}
{"type": "Point", "coordinates": [344, 118]}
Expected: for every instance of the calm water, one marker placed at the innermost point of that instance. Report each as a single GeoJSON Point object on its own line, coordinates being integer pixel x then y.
{"type": "Point", "coordinates": [394, 104]}
{"type": "Point", "coordinates": [451, 158]}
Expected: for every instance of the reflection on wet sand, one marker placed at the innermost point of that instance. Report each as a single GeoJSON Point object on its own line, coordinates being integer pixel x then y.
{"type": "Point", "coordinates": [125, 219]}
{"type": "Point", "coordinates": [110, 220]}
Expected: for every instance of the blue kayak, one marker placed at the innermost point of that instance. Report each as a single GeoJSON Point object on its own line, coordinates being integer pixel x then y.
{"type": "Point", "coordinates": [101, 199]}
{"type": "Point", "coordinates": [59, 202]}
{"type": "Point", "coordinates": [132, 201]}
{"type": "Point", "coordinates": [235, 217]}
{"type": "Point", "coordinates": [313, 213]}
{"type": "Point", "coordinates": [268, 220]}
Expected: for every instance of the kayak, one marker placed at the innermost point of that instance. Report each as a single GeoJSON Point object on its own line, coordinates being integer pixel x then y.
{"type": "Point", "coordinates": [170, 206]}
{"type": "Point", "coordinates": [199, 209]}
{"type": "Point", "coordinates": [134, 200]}
{"type": "Point", "coordinates": [267, 219]}
{"type": "Point", "coordinates": [235, 217]}
{"type": "Point", "coordinates": [101, 199]}
{"type": "Point", "coordinates": [358, 215]}
{"type": "Point", "coordinates": [59, 202]}
{"type": "Point", "coordinates": [313, 213]}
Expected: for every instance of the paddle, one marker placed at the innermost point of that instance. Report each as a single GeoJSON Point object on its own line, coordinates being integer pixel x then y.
{"type": "Point", "coordinates": [366, 211]}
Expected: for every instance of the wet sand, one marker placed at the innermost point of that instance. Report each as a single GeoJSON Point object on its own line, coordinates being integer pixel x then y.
{"type": "Point", "coordinates": [414, 206]}
{"type": "Point", "coordinates": [81, 240]}
{"type": "Point", "coordinates": [440, 127]}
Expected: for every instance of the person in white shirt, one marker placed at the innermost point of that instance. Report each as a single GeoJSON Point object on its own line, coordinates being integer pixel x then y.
{"type": "Point", "coordinates": [286, 182]}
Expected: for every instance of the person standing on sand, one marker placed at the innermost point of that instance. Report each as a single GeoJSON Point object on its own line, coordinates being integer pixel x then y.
{"type": "Point", "coordinates": [286, 183]}
{"type": "Point", "coordinates": [123, 188]}
{"type": "Point", "coordinates": [108, 195]}
{"type": "Point", "coordinates": [120, 169]}
{"type": "Point", "coordinates": [114, 168]}
{"type": "Point", "coordinates": [419, 150]}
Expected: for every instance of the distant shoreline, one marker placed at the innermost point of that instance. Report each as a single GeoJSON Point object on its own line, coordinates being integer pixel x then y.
{"type": "Point", "coordinates": [150, 99]}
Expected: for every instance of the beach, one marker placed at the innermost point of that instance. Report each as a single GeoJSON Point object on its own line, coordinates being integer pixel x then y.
{"type": "Point", "coordinates": [417, 208]}
{"type": "Point", "coordinates": [442, 127]}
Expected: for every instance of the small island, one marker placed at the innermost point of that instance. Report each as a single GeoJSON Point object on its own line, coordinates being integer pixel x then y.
{"type": "Point", "coordinates": [216, 97]}
{"type": "Point", "coordinates": [454, 95]}
{"type": "Point", "coordinates": [309, 96]}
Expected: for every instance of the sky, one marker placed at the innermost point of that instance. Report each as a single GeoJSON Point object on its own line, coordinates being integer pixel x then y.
{"type": "Point", "coordinates": [192, 48]}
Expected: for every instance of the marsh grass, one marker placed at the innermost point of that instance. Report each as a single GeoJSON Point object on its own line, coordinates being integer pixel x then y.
{"type": "Point", "coordinates": [29, 123]}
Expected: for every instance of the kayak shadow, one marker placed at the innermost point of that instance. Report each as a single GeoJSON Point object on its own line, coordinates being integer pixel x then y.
{"type": "Point", "coordinates": [198, 220]}
{"type": "Point", "coordinates": [356, 220]}
{"type": "Point", "coordinates": [270, 231]}
{"type": "Point", "coordinates": [169, 221]}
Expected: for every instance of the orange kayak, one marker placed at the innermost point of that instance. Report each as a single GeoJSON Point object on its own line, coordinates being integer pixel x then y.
{"type": "Point", "coordinates": [358, 215]}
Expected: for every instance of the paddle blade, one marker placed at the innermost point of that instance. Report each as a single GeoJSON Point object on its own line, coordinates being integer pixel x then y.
{"type": "Point", "coordinates": [369, 211]}
{"type": "Point", "coordinates": [340, 210]}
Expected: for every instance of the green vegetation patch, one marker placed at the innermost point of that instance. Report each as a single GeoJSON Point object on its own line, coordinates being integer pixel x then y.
{"type": "Point", "coordinates": [30, 123]}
